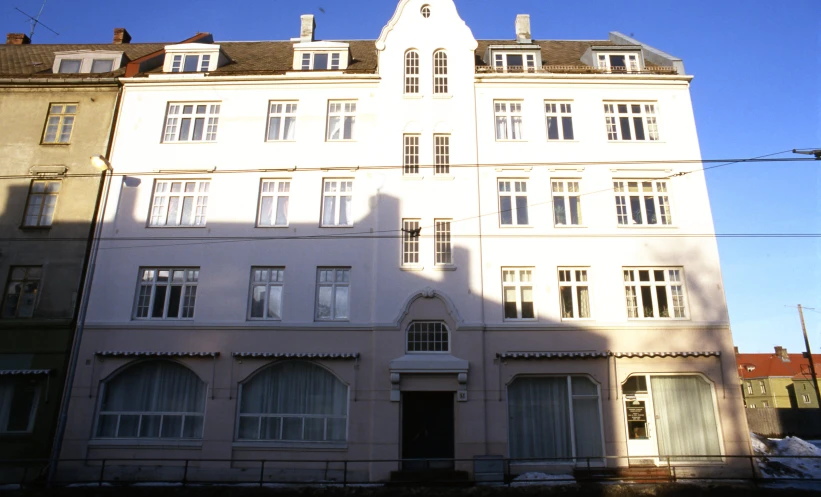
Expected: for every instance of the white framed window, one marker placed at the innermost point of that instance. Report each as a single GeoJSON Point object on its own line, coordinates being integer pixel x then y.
{"type": "Point", "coordinates": [41, 202]}
{"type": "Point", "coordinates": [102, 65]}
{"type": "Point", "coordinates": [314, 61]}
{"type": "Point", "coordinates": [274, 195]}
{"type": "Point", "coordinates": [337, 202]}
{"type": "Point", "coordinates": [805, 398]}
{"type": "Point", "coordinates": [293, 401]}
{"type": "Point", "coordinates": [411, 72]}
{"type": "Point", "coordinates": [513, 202]}
{"type": "Point", "coordinates": [514, 62]}
{"type": "Point", "coordinates": [166, 293]}
{"type": "Point", "coordinates": [441, 154]}
{"type": "Point", "coordinates": [410, 242]}
{"type": "Point", "coordinates": [559, 120]}
{"type": "Point", "coordinates": [267, 284]}
{"type": "Point", "coordinates": [22, 289]}
{"type": "Point", "coordinates": [631, 121]}
{"type": "Point", "coordinates": [654, 293]}
{"type": "Point", "coordinates": [70, 66]}
{"type": "Point", "coordinates": [762, 387]}
{"type": "Point", "coordinates": [508, 120]}
{"type": "Point", "coordinates": [152, 400]}
{"type": "Point", "coordinates": [440, 72]}
{"type": "Point", "coordinates": [410, 154]}
{"type": "Point", "coordinates": [282, 121]}
{"type": "Point", "coordinates": [341, 120]}
{"type": "Point", "coordinates": [517, 289]}
{"type": "Point", "coordinates": [190, 62]}
{"type": "Point", "coordinates": [574, 290]}
{"type": "Point", "coordinates": [333, 293]}
{"type": "Point", "coordinates": [618, 62]}
{"type": "Point", "coordinates": [751, 406]}
{"type": "Point", "coordinates": [180, 203]}
{"type": "Point", "coordinates": [567, 203]}
{"type": "Point", "coordinates": [59, 123]}
{"type": "Point", "coordinates": [442, 242]}
{"type": "Point", "coordinates": [425, 11]}
{"type": "Point", "coordinates": [19, 397]}
{"type": "Point", "coordinates": [749, 388]}
{"type": "Point", "coordinates": [642, 202]}
{"type": "Point", "coordinates": [428, 336]}
{"type": "Point", "coordinates": [191, 122]}
{"type": "Point", "coordinates": [765, 404]}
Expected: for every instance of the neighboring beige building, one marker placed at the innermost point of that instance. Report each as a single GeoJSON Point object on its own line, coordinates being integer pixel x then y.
{"type": "Point", "coordinates": [779, 380]}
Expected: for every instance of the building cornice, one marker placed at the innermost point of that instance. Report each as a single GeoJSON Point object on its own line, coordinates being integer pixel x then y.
{"type": "Point", "coordinates": [252, 79]}
{"type": "Point", "coordinates": [61, 82]}
{"type": "Point", "coordinates": [529, 78]}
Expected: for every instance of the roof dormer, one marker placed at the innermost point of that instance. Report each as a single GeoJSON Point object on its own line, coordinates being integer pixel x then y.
{"type": "Point", "coordinates": [193, 57]}
{"type": "Point", "coordinates": [520, 56]}
{"type": "Point", "coordinates": [86, 61]}
{"type": "Point", "coordinates": [310, 55]}
{"type": "Point", "coordinates": [615, 58]}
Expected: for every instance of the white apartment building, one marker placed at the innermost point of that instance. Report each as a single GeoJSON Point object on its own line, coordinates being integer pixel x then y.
{"type": "Point", "coordinates": [415, 248]}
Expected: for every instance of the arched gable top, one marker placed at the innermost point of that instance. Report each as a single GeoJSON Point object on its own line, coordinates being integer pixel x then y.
{"type": "Point", "coordinates": [452, 318]}
{"type": "Point", "coordinates": [440, 10]}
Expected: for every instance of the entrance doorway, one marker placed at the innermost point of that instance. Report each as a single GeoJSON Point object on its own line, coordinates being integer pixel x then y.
{"type": "Point", "coordinates": [427, 430]}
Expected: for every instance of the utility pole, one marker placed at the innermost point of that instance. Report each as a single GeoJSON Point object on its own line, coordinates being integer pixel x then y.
{"type": "Point", "coordinates": [809, 355]}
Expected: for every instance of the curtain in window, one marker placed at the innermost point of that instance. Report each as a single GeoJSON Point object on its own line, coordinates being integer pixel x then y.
{"type": "Point", "coordinates": [293, 401]}
{"type": "Point", "coordinates": [685, 416]}
{"type": "Point", "coordinates": [586, 419]}
{"type": "Point", "coordinates": [584, 301]}
{"type": "Point", "coordinates": [539, 418]}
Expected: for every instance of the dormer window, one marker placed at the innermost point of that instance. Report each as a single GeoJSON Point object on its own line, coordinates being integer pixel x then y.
{"type": "Point", "coordinates": [70, 66]}
{"type": "Point", "coordinates": [190, 63]}
{"type": "Point", "coordinates": [514, 62]}
{"type": "Point", "coordinates": [193, 57]}
{"type": "Point", "coordinates": [619, 62]}
{"type": "Point", "coordinates": [321, 56]}
{"type": "Point", "coordinates": [90, 61]}
{"type": "Point", "coordinates": [320, 61]}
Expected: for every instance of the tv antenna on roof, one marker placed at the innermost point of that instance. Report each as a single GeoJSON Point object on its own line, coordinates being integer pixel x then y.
{"type": "Point", "coordinates": [36, 20]}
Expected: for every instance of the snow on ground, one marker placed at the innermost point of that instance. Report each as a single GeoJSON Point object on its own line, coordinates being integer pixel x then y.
{"type": "Point", "coordinates": [535, 478]}
{"type": "Point", "coordinates": [803, 466]}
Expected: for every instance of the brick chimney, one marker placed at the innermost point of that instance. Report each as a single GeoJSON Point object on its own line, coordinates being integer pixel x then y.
{"type": "Point", "coordinates": [17, 39]}
{"type": "Point", "coordinates": [736, 349]}
{"type": "Point", "coordinates": [523, 28]}
{"type": "Point", "coordinates": [781, 352]}
{"type": "Point", "coordinates": [306, 32]}
{"type": "Point", "coordinates": [121, 36]}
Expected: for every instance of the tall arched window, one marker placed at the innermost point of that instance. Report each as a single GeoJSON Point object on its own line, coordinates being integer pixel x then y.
{"type": "Point", "coordinates": [155, 399]}
{"type": "Point", "coordinates": [440, 72]}
{"type": "Point", "coordinates": [293, 401]}
{"type": "Point", "coordinates": [411, 71]}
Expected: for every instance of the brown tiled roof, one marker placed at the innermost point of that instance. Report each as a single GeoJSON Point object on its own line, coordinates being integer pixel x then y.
{"type": "Point", "coordinates": [37, 60]}
{"type": "Point", "coordinates": [765, 365]}
{"type": "Point", "coordinates": [554, 52]}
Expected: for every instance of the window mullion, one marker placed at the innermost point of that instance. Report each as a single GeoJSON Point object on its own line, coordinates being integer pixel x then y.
{"type": "Point", "coordinates": [570, 411]}
{"type": "Point", "coordinates": [167, 294]}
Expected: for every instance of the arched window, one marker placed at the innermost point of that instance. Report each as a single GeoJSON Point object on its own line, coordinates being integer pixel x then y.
{"type": "Point", "coordinates": [440, 72]}
{"type": "Point", "coordinates": [156, 399]}
{"type": "Point", "coordinates": [428, 336]}
{"type": "Point", "coordinates": [411, 71]}
{"type": "Point", "coordinates": [293, 401]}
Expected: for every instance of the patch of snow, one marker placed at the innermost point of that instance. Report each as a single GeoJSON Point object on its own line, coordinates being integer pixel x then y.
{"type": "Point", "coordinates": [803, 458]}
{"type": "Point", "coordinates": [536, 478]}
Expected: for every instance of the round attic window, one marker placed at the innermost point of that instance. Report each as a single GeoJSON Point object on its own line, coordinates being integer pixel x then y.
{"type": "Point", "coordinates": [425, 11]}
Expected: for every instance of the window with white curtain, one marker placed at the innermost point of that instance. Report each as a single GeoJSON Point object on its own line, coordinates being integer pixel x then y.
{"type": "Point", "coordinates": [554, 417]}
{"type": "Point", "coordinates": [411, 71]}
{"type": "Point", "coordinates": [267, 284]}
{"type": "Point", "coordinates": [18, 403]}
{"type": "Point", "coordinates": [282, 121]}
{"type": "Point", "coordinates": [191, 122]}
{"type": "Point", "coordinates": [333, 287]}
{"type": "Point", "coordinates": [567, 203]}
{"type": "Point", "coordinates": [508, 120]}
{"type": "Point", "coordinates": [645, 202]}
{"type": "Point", "coordinates": [517, 290]}
{"type": "Point", "coordinates": [575, 293]}
{"type": "Point", "coordinates": [152, 400]}
{"type": "Point", "coordinates": [273, 202]}
{"type": "Point", "coordinates": [166, 293]}
{"type": "Point", "coordinates": [341, 120]}
{"type": "Point", "coordinates": [337, 198]}
{"type": "Point", "coordinates": [180, 203]}
{"type": "Point", "coordinates": [513, 202]}
{"type": "Point", "coordinates": [293, 401]}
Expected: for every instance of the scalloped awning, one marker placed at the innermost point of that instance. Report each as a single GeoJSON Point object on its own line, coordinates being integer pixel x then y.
{"type": "Point", "coordinates": [297, 355]}
{"type": "Point", "coordinates": [24, 372]}
{"type": "Point", "coordinates": [127, 353]}
{"type": "Point", "coordinates": [603, 355]}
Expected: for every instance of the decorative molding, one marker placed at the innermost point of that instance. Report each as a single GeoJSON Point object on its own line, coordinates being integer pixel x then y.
{"type": "Point", "coordinates": [429, 293]}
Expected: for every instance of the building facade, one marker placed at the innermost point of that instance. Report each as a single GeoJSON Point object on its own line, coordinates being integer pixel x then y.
{"type": "Point", "coordinates": [417, 247]}
{"type": "Point", "coordinates": [780, 380]}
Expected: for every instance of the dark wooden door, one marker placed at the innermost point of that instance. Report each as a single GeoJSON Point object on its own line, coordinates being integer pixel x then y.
{"type": "Point", "coordinates": [427, 428]}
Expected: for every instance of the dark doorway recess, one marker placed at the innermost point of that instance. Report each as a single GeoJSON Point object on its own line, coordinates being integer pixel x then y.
{"type": "Point", "coordinates": [427, 430]}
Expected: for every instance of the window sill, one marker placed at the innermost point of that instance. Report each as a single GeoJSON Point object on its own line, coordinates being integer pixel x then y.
{"type": "Point", "coordinates": [656, 319]}
{"type": "Point", "coordinates": [275, 445]}
{"type": "Point", "coordinates": [443, 177]}
{"type": "Point", "coordinates": [280, 141]}
{"type": "Point", "coordinates": [412, 177]}
{"type": "Point", "coordinates": [510, 226]}
{"type": "Point", "coordinates": [174, 226]}
{"type": "Point", "coordinates": [264, 320]}
{"type": "Point", "coordinates": [412, 96]}
{"type": "Point", "coordinates": [569, 226]}
{"type": "Point", "coordinates": [574, 320]}
{"type": "Point", "coordinates": [636, 141]}
{"type": "Point", "coordinates": [188, 142]}
{"type": "Point", "coordinates": [444, 267]}
{"type": "Point", "coordinates": [134, 442]}
{"type": "Point", "coordinates": [562, 141]}
{"type": "Point", "coordinates": [411, 268]}
{"type": "Point", "coordinates": [646, 226]}
{"type": "Point", "coordinates": [336, 225]}
{"type": "Point", "coordinates": [162, 320]}
{"type": "Point", "coordinates": [319, 320]}
{"type": "Point", "coordinates": [512, 140]}
{"type": "Point", "coordinates": [35, 228]}
{"type": "Point", "coordinates": [328, 140]}
{"type": "Point", "coordinates": [442, 96]}
{"type": "Point", "coordinates": [521, 320]}
{"type": "Point", "coordinates": [50, 144]}
{"type": "Point", "coordinates": [273, 226]}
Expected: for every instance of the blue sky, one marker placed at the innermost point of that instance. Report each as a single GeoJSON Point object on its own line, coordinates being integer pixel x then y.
{"type": "Point", "coordinates": [757, 90]}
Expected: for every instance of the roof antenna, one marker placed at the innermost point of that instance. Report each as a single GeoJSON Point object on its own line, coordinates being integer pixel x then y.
{"type": "Point", "coordinates": [36, 20]}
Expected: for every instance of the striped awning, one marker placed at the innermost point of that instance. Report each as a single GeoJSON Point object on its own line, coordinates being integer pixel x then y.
{"type": "Point", "coordinates": [131, 353]}
{"type": "Point", "coordinates": [603, 354]}
{"type": "Point", "coordinates": [709, 353]}
{"type": "Point", "coordinates": [24, 372]}
{"type": "Point", "coordinates": [297, 355]}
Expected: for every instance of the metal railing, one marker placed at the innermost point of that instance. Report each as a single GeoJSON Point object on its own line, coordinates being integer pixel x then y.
{"type": "Point", "coordinates": [571, 69]}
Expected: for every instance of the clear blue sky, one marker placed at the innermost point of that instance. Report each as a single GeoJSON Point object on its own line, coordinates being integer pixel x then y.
{"type": "Point", "coordinates": [757, 90]}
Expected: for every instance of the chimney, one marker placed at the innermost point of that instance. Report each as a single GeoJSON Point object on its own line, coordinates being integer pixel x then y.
{"type": "Point", "coordinates": [523, 28]}
{"type": "Point", "coordinates": [306, 32]}
{"type": "Point", "coordinates": [781, 352]}
{"type": "Point", "coordinates": [736, 349]}
{"type": "Point", "coordinates": [17, 39]}
{"type": "Point", "coordinates": [121, 36]}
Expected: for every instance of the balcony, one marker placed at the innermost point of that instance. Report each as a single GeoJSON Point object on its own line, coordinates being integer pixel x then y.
{"type": "Point", "coordinates": [567, 69]}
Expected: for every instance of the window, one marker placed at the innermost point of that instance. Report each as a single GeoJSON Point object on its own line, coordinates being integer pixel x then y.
{"type": "Point", "coordinates": [646, 201]}
{"type": "Point", "coordinates": [410, 157]}
{"type": "Point", "coordinates": [410, 242]}
{"type": "Point", "coordinates": [508, 120]}
{"type": "Point", "coordinates": [517, 287]}
{"type": "Point", "coordinates": [166, 293]}
{"type": "Point", "coordinates": [425, 11]}
{"type": "Point", "coordinates": [190, 63]}
{"type": "Point", "coordinates": [618, 62]}
{"type": "Point", "coordinates": [444, 254]}
{"type": "Point", "coordinates": [441, 154]}
{"type": "Point", "coordinates": [341, 120]}
{"type": "Point", "coordinates": [180, 203]}
{"type": "Point", "coordinates": [337, 199]}
{"type": "Point", "coordinates": [765, 404]}
{"type": "Point", "coordinates": [762, 387]}
{"type": "Point", "coordinates": [293, 401]}
{"type": "Point", "coordinates": [512, 202]}
{"type": "Point", "coordinates": [60, 122]}
{"type": "Point", "coordinates": [428, 336]}
{"type": "Point", "coordinates": [575, 293]}
{"type": "Point", "coordinates": [333, 294]}
{"type": "Point", "coordinates": [41, 203]}
{"type": "Point", "coordinates": [319, 61]}
{"type": "Point", "coordinates": [21, 291]}
{"type": "Point", "coordinates": [749, 388]}
{"type": "Point", "coordinates": [559, 120]}
{"type": "Point", "coordinates": [654, 293]}
{"type": "Point", "coordinates": [514, 62]}
{"type": "Point", "coordinates": [282, 121]}
{"type": "Point", "coordinates": [567, 204]}
{"type": "Point", "coordinates": [18, 404]}
{"type": "Point", "coordinates": [805, 398]}
{"type": "Point", "coordinates": [631, 121]}
{"type": "Point", "coordinates": [554, 417]}
{"type": "Point", "coordinates": [266, 292]}
{"type": "Point", "coordinates": [440, 72]}
{"type": "Point", "coordinates": [102, 65]}
{"type": "Point", "coordinates": [191, 122]}
{"type": "Point", "coordinates": [751, 406]}
{"type": "Point", "coordinates": [411, 72]}
{"type": "Point", "coordinates": [70, 66]}
{"type": "Point", "coordinates": [152, 400]}
{"type": "Point", "coordinates": [273, 202]}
